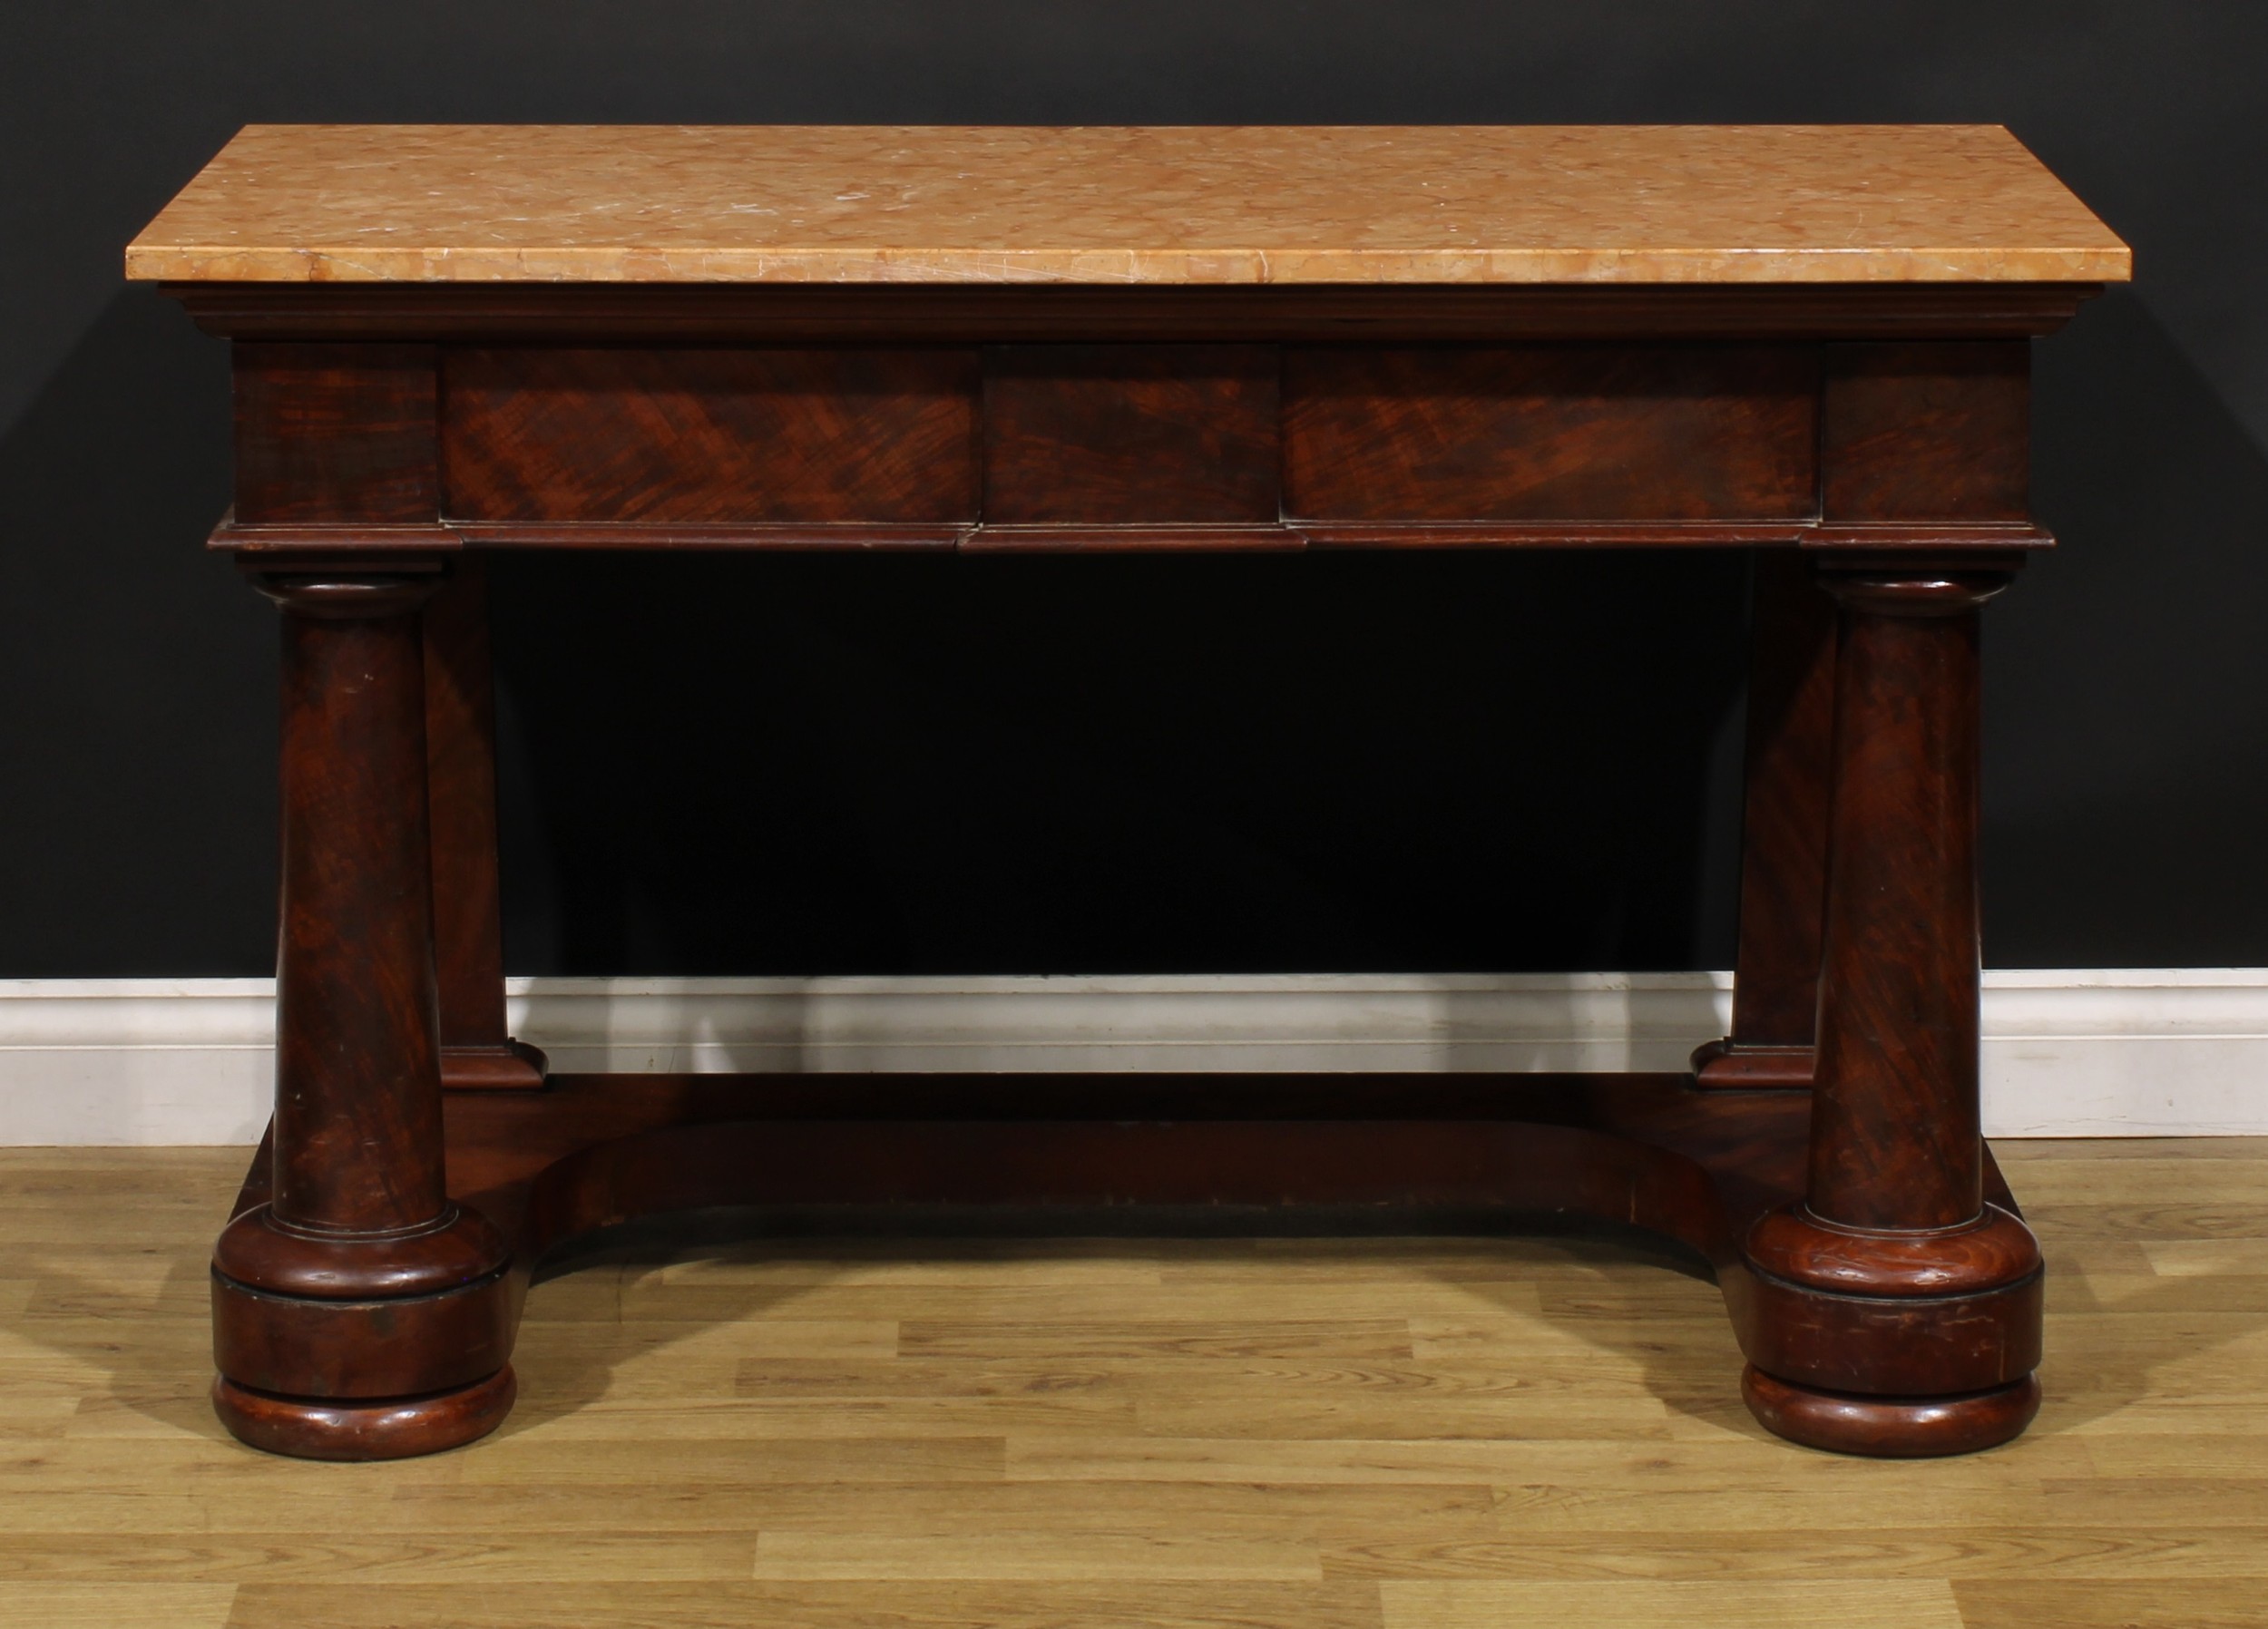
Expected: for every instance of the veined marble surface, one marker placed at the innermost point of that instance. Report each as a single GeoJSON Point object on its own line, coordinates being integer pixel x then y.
{"type": "Point", "coordinates": [1100, 204]}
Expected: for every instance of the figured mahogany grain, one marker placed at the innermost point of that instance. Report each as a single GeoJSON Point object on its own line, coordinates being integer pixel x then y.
{"type": "Point", "coordinates": [356, 1273]}
{"type": "Point", "coordinates": [1097, 434]}
{"type": "Point", "coordinates": [1783, 830]}
{"type": "Point", "coordinates": [335, 432]}
{"type": "Point", "coordinates": [1896, 1142]}
{"type": "Point", "coordinates": [358, 1067]}
{"type": "Point", "coordinates": [1893, 1277]}
{"type": "Point", "coordinates": [1929, 431]}
{"type": "Point", "coordinates": [478, 1051]}
{"type": "Point", "coordinates": [696, 436]}
{"type": "Point", "coordinates": [1888, 1345]}
{"type": "Point", "coordinates": [1994, 1250]}
{"type": "Point", "coordinates": [1574, 433]}
{"type": "Point", "coordinates": [326, 1350]}
{"type": "Point", "coordinates": [262, 1251]}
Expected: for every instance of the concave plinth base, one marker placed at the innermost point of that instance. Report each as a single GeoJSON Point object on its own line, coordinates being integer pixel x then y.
{"type": "Point", "coordinates": [1492, 1152]}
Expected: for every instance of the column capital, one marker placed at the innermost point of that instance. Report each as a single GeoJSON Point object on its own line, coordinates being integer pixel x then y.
{"type": "Point", "coordinates": [350, 592]}
{"type": "Point", "coordinates": [1915, 589]}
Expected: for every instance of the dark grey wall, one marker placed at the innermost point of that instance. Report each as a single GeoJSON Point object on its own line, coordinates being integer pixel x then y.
{"type": "Point", "coordinates": [804, 765]}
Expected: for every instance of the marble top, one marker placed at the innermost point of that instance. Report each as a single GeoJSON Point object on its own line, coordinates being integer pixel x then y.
{"type": "Point", "coordinates": [1098, 204]}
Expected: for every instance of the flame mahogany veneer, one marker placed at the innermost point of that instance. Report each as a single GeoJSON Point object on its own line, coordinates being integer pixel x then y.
{"type": "Point", "coordinates": [1867, 441]}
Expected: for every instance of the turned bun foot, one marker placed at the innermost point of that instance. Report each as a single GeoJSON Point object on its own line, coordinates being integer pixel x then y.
{"type": "Point", "coordinates": [395, 1428]}
{"type": "Point", "coordinates": [1891, 1428]}
{"type": "Point", "coordinates": [1903, 1343]}
{"type": "Point", "coordinates": [362, 1346]}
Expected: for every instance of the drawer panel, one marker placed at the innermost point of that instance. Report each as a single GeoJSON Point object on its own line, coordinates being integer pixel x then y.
{"type": "Point", "coordinates": [710, 437]}
{"type": "Point", "coordinates": [1119, 433]}
{"type": "Point", "coordinates": [1552, 433]}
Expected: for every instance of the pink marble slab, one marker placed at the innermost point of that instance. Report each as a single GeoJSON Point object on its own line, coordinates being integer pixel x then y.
{"type": "Point", "coordinates": [1178, 204]}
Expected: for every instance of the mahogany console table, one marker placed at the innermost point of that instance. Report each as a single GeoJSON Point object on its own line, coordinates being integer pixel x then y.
{"type": "Point", "coordinates": [1810, 343]}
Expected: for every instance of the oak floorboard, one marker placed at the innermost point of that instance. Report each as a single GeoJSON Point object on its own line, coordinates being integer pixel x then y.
{"type": "Point", "coordinates": [115, 1605]}
{"type": "Point", "coordinates": [818, 1604]}
{"type": "Point", "coordinates": [2168, 1558]}
{"type": "Point", "coordinates": [1177, 1433]}
{"type": "Point", "coordinates": [1692, 1604]}
{"type": "Point", "coordinates": [2198, 1604]}
{"type": "Point", "coordinates": [437, 1556]}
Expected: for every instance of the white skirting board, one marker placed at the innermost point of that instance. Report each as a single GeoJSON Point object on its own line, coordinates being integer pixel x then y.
{"type": "Point", "coordinates": [2161, 1052]}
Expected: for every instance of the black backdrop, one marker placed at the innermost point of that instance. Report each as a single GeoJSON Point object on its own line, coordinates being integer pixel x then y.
{"type": "Point", "coordinates": [808, 765]}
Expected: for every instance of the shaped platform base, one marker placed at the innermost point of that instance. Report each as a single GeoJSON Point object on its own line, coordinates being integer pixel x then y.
{"type": "Point", "coordinates": [1442, 1152]}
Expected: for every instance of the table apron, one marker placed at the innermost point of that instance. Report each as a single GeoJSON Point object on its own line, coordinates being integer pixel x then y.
{"type": "Point", "coordinates": [1051, 447]}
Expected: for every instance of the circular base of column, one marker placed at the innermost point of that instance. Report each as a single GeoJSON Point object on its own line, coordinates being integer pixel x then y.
{"type": "Point", "coordinates": [1730, 1065]}
{"type": "Point", "coordinates": [399, 1427]}
{"type": "Point", "coordinates": [507, 1066]}
{"type": "Point", "coordinates": [1891, 1428]}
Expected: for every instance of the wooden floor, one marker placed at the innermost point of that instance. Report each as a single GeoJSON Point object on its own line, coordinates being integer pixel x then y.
{"type": "Point", "coordinates": [1403, 1434]}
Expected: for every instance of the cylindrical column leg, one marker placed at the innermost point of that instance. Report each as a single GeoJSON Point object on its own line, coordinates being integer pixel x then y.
{"type": "Point", "coordinates": [1893, 1312]}
{"type": "Point", "coordinates": [477, 1050]}
{"type": "Point", "coordinates": [359, 1315]}
{"type": "Point", "coordinates": [1784, 832]}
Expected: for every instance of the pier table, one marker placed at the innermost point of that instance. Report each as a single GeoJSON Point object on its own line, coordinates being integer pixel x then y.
{"type": "Point", "coordinates": [1808, 343]}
